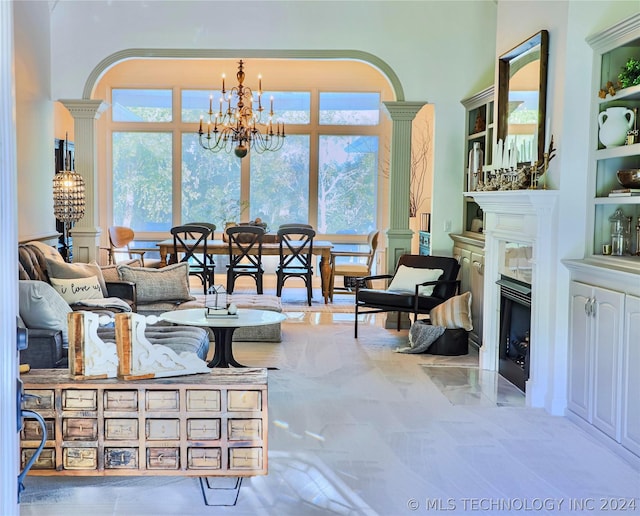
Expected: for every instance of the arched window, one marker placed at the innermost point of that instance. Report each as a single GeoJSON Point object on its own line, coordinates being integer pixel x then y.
{"type": "Point", "coordinates": [328, 173]}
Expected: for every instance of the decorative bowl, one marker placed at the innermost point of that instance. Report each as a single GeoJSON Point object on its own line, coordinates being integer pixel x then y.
{"type": "Point", "coordinates": [629, 178]}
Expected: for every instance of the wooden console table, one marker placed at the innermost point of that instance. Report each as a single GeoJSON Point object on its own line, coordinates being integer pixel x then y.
{"type": "Point", "coordinates": [204, 425]}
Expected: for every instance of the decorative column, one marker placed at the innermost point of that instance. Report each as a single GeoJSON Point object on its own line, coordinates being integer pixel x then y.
{"type": "Point", "coordinates": [399, 235]}
{"type": "Point", "coordinates": [86, 233]}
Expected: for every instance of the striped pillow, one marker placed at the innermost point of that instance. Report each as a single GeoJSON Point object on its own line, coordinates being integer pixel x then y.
{"type": "Point", "coordinates": [455, 312]}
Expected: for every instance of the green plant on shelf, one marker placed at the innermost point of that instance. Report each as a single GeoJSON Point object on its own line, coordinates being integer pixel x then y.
{"type": "Point", "coordinates": [630, 75]}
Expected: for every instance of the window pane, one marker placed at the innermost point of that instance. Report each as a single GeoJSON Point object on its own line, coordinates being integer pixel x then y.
{"type": "Point", "coordinates": [210, 184]}
{"type": "Point", "coordinates": [349, 108]}
{"type": "Point", "coordinates": [290, 107]}
{"type": "Point", "coordinates": [142, 180]}
{"type": "Point", "coordinates": [141, 105]}
{"type": "Point", "coordinates": [347, 184]}
{"type": "Point", "coordinates": [280, 183]}
{"type": "Point", "coordinates": [195, 103]}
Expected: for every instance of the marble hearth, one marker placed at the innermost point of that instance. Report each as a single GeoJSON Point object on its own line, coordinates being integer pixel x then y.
{"type": "Point", "coordinates": [526, 217]}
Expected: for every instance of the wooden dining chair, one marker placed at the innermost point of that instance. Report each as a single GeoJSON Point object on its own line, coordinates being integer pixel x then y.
{"type": "Point", "coordinates": [120, 243]}
{"type": "Point", "coordinates": [190, 244]}
{"type": "Point", "coordinates": [245, 255]}
{"type": "Point", "coordinates": [296, 257]}
{"type": "Point", "coordinates": [352, 271]}
{"type": "Point", "coordinates": [208, 259]}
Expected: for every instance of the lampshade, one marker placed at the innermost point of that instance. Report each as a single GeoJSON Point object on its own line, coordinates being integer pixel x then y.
{"type": "Point", "coordinates": [68, 196]}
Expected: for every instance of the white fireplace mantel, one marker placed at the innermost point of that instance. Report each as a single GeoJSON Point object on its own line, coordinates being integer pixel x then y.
{"type": "Point", "coordinates": [528, 217]}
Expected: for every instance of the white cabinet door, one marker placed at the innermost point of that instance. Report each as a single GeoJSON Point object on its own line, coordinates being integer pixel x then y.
{"type": "Point", "coordinates": [608, 320]}
{"type": "Point", "coordinates": [477, 288]}
{"type": "Point", "coordinates": [630, 427]}
{"type": "Point", "coordinates": [580, 345]}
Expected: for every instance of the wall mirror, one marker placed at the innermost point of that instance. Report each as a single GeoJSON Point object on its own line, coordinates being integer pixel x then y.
{"type": "Point", "coordinates": [522, 97]}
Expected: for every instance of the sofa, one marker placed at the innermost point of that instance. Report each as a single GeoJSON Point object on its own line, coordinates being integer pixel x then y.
{"type": "Point", "coordinates": [47, 293]}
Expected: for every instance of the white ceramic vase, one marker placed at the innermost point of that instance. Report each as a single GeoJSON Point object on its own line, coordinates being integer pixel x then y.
{"type": "Point", "coordinates": [614, 122]}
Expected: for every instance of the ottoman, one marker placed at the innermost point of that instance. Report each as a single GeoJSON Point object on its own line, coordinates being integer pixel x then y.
{"type": "Point", "coordinates": [268, 333]}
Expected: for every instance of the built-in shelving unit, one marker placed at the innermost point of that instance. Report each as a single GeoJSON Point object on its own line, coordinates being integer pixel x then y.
{"type": "Point", "coordinates": [479, 115]}
{"type": "Point", "coordinates": [612, 49]}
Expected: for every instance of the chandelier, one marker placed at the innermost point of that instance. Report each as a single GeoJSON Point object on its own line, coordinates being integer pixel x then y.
{"type": "Point", "coordinates": [68, 198]}
{"type": "Point", "coordinates": [238, 125]}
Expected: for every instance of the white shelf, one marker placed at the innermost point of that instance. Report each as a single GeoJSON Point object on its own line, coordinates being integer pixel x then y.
{"type": "Point", "coordinates": [631, 93]}
{"type": "Point", "coordinates": [634, 199]}
{"type": "Point", "coordinates": [622, 151]}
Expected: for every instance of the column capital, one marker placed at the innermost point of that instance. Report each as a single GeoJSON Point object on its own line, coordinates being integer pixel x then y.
{"type": "Point", "coordinates": [85, 108]}
{"type": "Point", "coordinates": [403, 110]}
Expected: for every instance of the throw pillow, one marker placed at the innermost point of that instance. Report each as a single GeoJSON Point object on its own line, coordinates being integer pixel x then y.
{"type": "Point", "coordinates": [406, 278]}
{"type": "Point", "coordinates": [74, 290]}
{"type": "Point", "coordinates": [41, 307]}
{"type": "Point", "coordinates": [169, 283]}
{"type": "Point", "coordinates": [63, 270]}
{"type": "Point", "coordinates": [455, 312]}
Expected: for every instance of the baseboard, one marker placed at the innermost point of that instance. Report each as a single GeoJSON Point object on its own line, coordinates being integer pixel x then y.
{"type": "Point", "coordinates": [631, 458]}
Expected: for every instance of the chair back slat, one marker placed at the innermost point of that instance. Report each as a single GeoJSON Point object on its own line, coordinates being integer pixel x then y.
{"type": "Point", "coordinates": [190, 242]}
{"type": "Point", "coordinates": [245, 254]}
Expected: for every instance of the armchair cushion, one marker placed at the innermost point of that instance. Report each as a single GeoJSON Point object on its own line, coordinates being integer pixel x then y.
{"type": "Point", "coordinates": [454, 313]}
{"type": "Point", "coordinates": [406, 279]}
{"type": "Point", "coordinates": [74, 290]}
{"type": "Point", "coordinates": [41, 307]}
{"type": "Point", "coordinates": [63, 270]}
{"type": "Point", "coordinates": [152, 285]}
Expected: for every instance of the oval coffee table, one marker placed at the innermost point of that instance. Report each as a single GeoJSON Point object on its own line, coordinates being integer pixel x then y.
{"type": "Point", "coordinates": [223, 328]}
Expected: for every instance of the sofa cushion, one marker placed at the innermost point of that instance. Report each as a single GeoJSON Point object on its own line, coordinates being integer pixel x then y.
{"type": "Point", "coordinates": [63, 270]}
{"type": "Point", "coordinates": [41, 307]}
{"type": "Point", "coordinates": [78, 289]}
{"type": "Point", "coordinates": [169, 283]}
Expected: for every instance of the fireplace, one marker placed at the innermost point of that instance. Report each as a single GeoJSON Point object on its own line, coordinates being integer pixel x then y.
{"type": "Point", "coordinates": [514, 346]}
{"type": "Point", "coordinates": [521, 243]}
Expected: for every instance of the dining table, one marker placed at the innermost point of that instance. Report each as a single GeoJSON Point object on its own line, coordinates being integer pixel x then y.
{"type": "Point", "coordinates": [321, 248]}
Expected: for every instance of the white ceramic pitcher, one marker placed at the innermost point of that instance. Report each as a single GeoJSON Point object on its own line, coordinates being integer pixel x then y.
{"type": "Point", "coordinates": [614, 125]}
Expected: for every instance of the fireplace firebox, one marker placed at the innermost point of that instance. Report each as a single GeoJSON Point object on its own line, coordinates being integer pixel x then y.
{"type": "Point", "coordinates": [515, 327]}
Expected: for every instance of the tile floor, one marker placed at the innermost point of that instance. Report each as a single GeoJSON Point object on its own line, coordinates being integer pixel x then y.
{"type": "Point", "coordinates": [357, 429]}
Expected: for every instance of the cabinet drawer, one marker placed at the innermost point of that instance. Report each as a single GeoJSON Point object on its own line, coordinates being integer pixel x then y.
{"type": "Point", "coordinates": [203, 400]}
{"type": "Point", "coordinates": [80, 458]}
{"type": "Point", "coordinates": [31, 430]}
{"type": "Point", "coordinates": [203, 429]}
{"type": "Point", "coordinates": [121, 400]}
{"type": "Point", "coordinates": [244, 400]}
{"type": "Point", "coordinates": [79, 429]}
{"type": "Point", "coordinates": [245, 458]}
{"type": "Point", "coordinates": [121, 458]}
{"type": "Point", "coordinates": [162, 400]}
{"type": "Point", "coordinates": [46, 460]}
{"type": "Point", "coordinates": [73, 399]}
{"type": "Point", "coordinates": [160, 429]}
{"type": "Point", "coordinates": [203, 458]}
{"type": "Point", "coordinates": [120, 429]}
{"type": "Point", "coordinates": [163, 458]}
{"type": "Point", "coordinates": [244, 429]}
{"type": "Point", "coordinates": [44, 401]}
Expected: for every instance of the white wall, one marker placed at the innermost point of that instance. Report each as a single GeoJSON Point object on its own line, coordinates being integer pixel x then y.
{"type": "Point", "coordinates": [569, 97]}
{"type": "Point", "coordinates": [441, 52]}
{"type": "Point", "coordinates": [34, 115]}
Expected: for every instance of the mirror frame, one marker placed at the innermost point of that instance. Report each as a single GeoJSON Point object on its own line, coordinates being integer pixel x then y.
{"type": "Point", "coordinates": [504, 62]}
